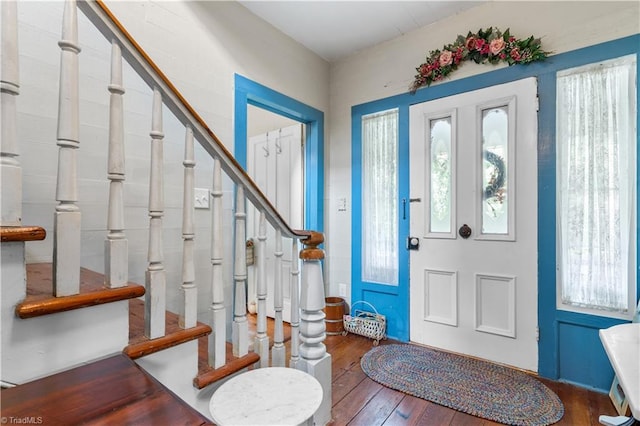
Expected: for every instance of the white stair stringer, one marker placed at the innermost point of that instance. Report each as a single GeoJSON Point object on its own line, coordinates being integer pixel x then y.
{"type": "Point", "coordinates": [175, 368]}
{"type": "Point", "coordinates": [55, 342]}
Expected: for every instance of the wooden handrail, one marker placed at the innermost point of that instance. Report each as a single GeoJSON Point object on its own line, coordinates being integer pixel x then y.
{"type": "Point", "coordinates": [111, 28]}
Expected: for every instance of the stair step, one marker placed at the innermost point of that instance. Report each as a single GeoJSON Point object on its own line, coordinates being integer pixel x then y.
{"type": "Point", "coordinates": [22, 233]}
{"type": "Point", "coordinates": [41, 301]}
{"type": "Point", "coordinates": [113, 391]}
{"type": "Point", "coordinates": [209, 375]}
{"type": "Point", "coordinates": [140, 345]}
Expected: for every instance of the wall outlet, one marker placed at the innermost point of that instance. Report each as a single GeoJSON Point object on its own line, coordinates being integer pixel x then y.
{"type": "Point", "coordinates": [201, 198]}
{"type": "Point", "coordinates": [342, 290]}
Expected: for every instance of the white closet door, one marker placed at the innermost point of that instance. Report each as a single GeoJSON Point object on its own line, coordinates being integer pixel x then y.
{"type": "Point", "coordinates": [275, 162]}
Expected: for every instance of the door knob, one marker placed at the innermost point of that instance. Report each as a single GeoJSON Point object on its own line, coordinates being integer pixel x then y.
{"type": "Point", "coordinates": [464, 231]}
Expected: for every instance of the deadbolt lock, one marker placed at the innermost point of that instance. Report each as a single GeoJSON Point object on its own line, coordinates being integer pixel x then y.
{"type": "Point", "coordinates": [413, 243]}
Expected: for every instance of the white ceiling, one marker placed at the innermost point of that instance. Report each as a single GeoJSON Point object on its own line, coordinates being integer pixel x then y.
{"type": "Point", "coordinates": [336, 29]}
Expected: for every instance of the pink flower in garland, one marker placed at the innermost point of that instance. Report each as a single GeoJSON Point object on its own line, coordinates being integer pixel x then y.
{"type": "Point", "coordinates": [496, 46]}
{"type": "Point", "coordinates": [470, 43]}
{"type": "Point", "coordinates": [515, 54]}
{"type": "Point", "coordinates": [458, 55]}
{"type": "Point", "coordinates": [446, 57]}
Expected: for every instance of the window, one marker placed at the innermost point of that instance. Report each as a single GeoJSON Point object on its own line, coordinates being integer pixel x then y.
{"type": "Point", "coordinates": [596, 191]}
{"type": "Point", "coordinates": [441, 174]}
{"type": "Point", "coordinates": [379, 193]}
{"type": "Point", "coordinates": [495, 170]}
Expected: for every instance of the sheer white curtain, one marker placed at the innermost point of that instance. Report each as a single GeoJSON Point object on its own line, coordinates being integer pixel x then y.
{"type": "Point", "coordinates": [379, 197]}
{"type": "Point", "coordinates": [596, 142]}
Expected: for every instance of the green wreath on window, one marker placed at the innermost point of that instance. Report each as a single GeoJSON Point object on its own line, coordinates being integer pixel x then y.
{"type": "Point", "coordinates": [495, 187]}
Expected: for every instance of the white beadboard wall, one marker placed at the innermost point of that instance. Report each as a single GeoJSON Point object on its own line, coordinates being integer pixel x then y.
{"type": "Point", "coordinates": [388, 69]}
{"type": "Point", "coordinates": [199, 46]}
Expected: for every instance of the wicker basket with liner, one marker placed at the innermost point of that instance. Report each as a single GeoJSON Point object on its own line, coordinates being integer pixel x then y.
{"type": "Point", "coordinates": [365, 323]}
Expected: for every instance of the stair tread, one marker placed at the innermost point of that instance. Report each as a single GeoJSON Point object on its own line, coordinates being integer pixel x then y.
{"type": "Point", "coordinates": [140, 345]}
{"type": "Point", "coordinates": [113, 390]}
{"type": "Point", "coordinates": [208, 375]}
{"type": "Point", "coordinates": [22, 233]}
{"type": "Point", "coordinates": [41, 301]}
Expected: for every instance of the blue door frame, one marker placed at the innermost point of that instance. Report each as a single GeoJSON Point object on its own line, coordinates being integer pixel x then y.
{"type": "Point", "coordinates": [248, 92]}
{"type": "Point", "coordinates": [560, 331]}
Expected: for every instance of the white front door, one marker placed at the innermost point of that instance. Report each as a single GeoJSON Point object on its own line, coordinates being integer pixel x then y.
{"type": "Point", "coordinates": [473, 168]}
{"type": "Point", "coordinates": [274, 161]}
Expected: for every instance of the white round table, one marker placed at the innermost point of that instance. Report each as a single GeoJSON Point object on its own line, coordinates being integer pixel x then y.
{"type": "Point", "coordinates": [266, 396]}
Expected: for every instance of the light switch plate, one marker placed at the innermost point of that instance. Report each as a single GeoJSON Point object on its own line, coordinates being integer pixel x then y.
{"type": "Point", "coordinates": [202, 198]}
{"type": "Point", "coordinates": [342, 290]}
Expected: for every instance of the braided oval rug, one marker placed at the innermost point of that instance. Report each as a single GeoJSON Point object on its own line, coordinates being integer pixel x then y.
{"type": "Point", "coordinates": [473, 386]}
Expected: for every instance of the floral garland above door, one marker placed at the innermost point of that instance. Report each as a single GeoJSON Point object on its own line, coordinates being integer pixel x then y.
{"type": "Point", "coordinates": [490, 45]}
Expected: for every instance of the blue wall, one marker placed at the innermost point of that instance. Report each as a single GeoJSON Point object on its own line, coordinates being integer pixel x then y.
{"type": "Point", "coordinates": [569, 347]}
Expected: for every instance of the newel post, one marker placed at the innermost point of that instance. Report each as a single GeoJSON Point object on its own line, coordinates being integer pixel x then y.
{"type": "Point", "coordinates": [313, 353]}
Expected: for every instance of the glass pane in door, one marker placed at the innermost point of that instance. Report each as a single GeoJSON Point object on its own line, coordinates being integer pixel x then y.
{"type": "Point", "coordinates": [440, 176]}
{"type": "Point", "coordinates": [495, 179]}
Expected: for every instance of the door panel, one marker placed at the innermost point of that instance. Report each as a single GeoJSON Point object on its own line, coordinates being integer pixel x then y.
{"type": "Point", "coordinates": [389, 295]}
{"type": "Point", "coordinates": [275, 164]}
{"type": "Point", "coordinates": [476, 295]}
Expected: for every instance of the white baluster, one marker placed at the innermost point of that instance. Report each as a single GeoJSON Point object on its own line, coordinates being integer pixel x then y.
{"type": "Point", "coordinates": [278, 350]}
{"type": "Point", "coordinates": [189, 316]}
{"type": "Point", "coordinates": [261, 344]}
{"type": "Point", "coordinates": [155, 277]}
{"type": "Point", "coordinates": [116, 262]}
{"type": "Point", "coordinates": [67, 218]}
{"type": "Point", "coordinates": [240, 327]}
{"type": "Point", "coordinates": [314, 357]}
{"type": "Point", "coordinates": [10, 168]}
{"type": "Point", "coordinates": [217, 342]}
{"type": "Point", "coordinates": [295, 306]}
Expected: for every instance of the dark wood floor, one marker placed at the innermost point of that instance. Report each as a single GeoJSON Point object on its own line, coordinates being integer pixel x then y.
{"type": "Point", "coordinates": [358, 400]}
{"type": "Point", "coordinates": [110, 391]}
